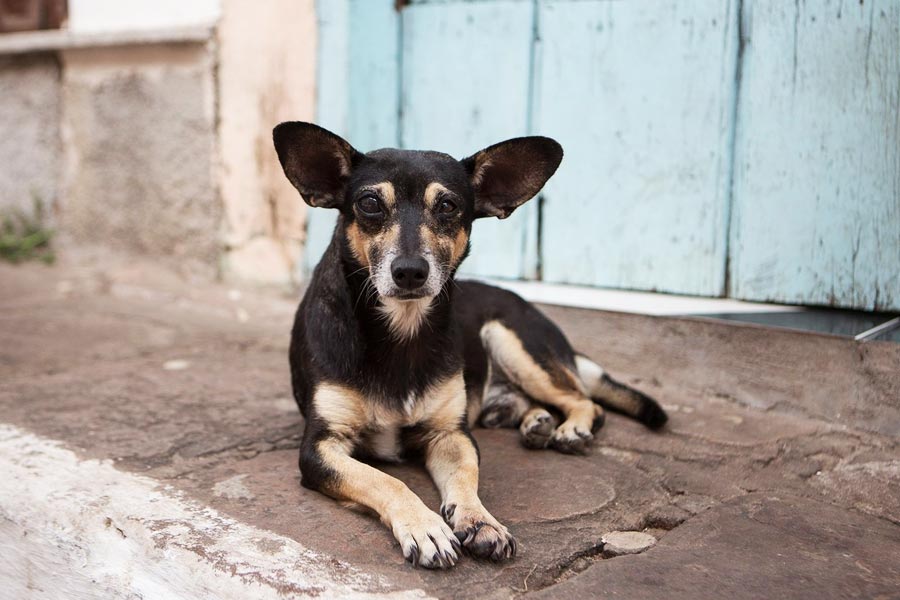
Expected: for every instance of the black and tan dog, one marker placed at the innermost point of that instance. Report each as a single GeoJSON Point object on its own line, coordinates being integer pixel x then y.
{"type": "Point", "coordinates": [390, 357]}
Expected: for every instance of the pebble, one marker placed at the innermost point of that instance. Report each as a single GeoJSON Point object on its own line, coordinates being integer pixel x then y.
{"type": "Point", "coordinates": [617, 543]}
{"type": "Point", "coordinates": [176, 365]}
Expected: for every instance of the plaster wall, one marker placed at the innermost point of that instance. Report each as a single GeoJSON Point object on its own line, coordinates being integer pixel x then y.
{"type": "Point", "coordinates": [266, 74]}
{"type": "Point", "coordinates": [29, 120]}
{"type": "Point", "coordinates": [139, 140]}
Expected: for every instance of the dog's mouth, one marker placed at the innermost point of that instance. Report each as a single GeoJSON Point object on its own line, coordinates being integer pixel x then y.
{"type": "Point", "coordinates": [409, 296]}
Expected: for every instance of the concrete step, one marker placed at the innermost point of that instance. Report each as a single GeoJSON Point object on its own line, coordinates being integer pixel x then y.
{"type": "Point", "coordinates": [149, 447]}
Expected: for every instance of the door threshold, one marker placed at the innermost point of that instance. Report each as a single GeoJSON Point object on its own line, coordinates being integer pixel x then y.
{"type": "Point", "coordinates": [860, 325]}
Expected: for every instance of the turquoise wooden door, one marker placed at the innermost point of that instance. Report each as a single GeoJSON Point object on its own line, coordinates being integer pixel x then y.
{"type": "Point", "coordinates": [466, 85]}
{"type": "Point", "coordinates": [640, 96]}
{"type": "Point", "coordinates": [748, 148]}
{"type": "Point", "coordinates": [817, 159]}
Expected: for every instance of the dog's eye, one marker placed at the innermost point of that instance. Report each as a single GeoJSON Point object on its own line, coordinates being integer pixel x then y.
{"type": "Point", "coordinates": [369, 205]}
{"type": "Point", "coordinates": [446, 207]}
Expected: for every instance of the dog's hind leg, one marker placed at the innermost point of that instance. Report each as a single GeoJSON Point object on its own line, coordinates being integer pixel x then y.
{"type": "Point", "coordinates": [617, 396]}
{"type": "Point", "coordinates": [504, 404]}
{"type": "Point", "coordinates": [549, 382]}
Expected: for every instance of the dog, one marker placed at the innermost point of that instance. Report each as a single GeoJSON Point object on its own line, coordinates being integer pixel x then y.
{"type": "Point", "coordinates": [392, 358]}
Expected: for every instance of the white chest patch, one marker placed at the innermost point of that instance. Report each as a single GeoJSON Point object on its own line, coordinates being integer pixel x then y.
{"type": "Point", "coordinates": [405, 317]}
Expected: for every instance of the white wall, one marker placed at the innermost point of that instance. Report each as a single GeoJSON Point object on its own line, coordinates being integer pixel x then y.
{"type": "Point", "coordinates": [126, 15]}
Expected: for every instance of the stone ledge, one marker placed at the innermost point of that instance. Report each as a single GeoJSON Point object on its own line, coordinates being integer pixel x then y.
{"type": "Point", "coordinates": [50, 41]}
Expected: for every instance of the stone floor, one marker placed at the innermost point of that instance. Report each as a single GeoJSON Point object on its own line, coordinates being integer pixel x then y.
{"type": "Point", "coordinates": [778, 475]}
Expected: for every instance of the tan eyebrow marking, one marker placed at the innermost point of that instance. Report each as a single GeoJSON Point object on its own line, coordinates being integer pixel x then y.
{"type": "Point", "coordinates": [432, 191]}
{"type": "Point", "coordinates": [385, 191]}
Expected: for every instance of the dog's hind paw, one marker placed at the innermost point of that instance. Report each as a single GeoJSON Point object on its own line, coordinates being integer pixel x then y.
{"type": "Point", "coordinates": [536, 429]}
{"type": "Point", "coordinates": [427, 541]}
{"type": "Point", "coordinates": [570, 438]}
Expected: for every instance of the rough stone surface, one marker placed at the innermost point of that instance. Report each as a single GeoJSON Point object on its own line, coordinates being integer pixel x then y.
{"type": "Point", "coordinates": [755, 546]}
{"type": "Point", "coordinates": [776, 498]}
{"type": "Point", "coordinates": [139, 125]}
{"type": "Point", "coordinates": [616, 543]}
{"type": "Point", "coordinates": [704, 359]}
{"type": "Point", "coordinates": [30, 145]}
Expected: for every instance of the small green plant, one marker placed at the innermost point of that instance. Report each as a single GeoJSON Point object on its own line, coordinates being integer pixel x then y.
{"type": "Point", "coordinates": [26, 237]}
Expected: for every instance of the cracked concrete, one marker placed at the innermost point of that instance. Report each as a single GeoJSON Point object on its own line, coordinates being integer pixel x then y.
{"type": "Point", "coordinates": [779, 473]}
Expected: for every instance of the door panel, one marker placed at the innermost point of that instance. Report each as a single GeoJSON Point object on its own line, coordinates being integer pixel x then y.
{"type": "Point", "coordinates": [640, 96]}
{"type": "Point", "coordinates": [465, 73]}
{"type": "Point", "coordinates": [817, 166]}
{"type": "Point", "coordinates": [358, 89]}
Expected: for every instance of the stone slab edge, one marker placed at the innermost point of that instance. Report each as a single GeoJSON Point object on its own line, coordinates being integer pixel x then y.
{"type": "Point", "coordinates": [81, 528]}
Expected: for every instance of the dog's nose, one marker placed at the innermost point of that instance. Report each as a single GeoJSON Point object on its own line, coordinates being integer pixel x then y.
{"type": "Point", "coordinates": [409, 273]}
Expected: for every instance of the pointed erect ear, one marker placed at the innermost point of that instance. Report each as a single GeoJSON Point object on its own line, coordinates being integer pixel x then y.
{"type": "Point", "coordinates": [506, 175]}
{"type": "Point", "coordinates": [316, 161]}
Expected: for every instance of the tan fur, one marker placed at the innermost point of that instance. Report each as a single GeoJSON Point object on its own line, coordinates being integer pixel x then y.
{"type": "Point", "coordinates": [341, 407]}
{"type": "Point", "coordinates": [360, 243]}
{"type": "Point", "coordinates": [404, 317]}
{"type": "Point", "coordinates": [432, 192]}
{"type": "Point", "coordinates": [357, 242]}
{"type": "Point", "coordinates": [453, 463]}
{"type": "Point", "coordinates": [506, 349]}
{"type": "Point", "coordinates": [347, 413]}
{"type": "Point", "coordinates": [443, 405]}
{"type": "Point", "coordinates": [459, 246]}
{"type": "Point", "coordinates": [412, 523]}
{"type": "Point", "coordinates": [385, 191]}
{"type": "Point", "coordinates": [454, 247]}
{"type": "Point", "coordinates": [453, 459]}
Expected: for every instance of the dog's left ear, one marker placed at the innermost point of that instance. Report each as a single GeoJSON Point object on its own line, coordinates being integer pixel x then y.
{"type": "Point", "coordinates": [506, 175]}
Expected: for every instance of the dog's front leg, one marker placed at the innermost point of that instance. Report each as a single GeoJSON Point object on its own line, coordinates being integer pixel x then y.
{"type": "Point", "coordinates": [452, 460]}
{"type": "Point", "coordinates": [424, 538]}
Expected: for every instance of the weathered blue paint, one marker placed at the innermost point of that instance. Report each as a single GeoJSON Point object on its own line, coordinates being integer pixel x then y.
{"type": "Point", "coordinates": [374, 103]}
{"type": "Point", "coordinates": [332, 99]}
{"type": "Point", "coordinates": [358, 88]}
{"type": "Point", "coordinates": [694, 164]}
{"type": "Point", "coordinates": [640, 96]}
{"type": "Point", "coordinates": [466, 69]}
{"type": "Point", "coordinates": [817, 166]}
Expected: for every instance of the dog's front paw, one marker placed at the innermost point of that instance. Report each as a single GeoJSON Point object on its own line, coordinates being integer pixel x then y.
{"type": "Point", "coordinates": [571, 438]}
{"type": "Point", "coordinates": [426, 540]}
{"type": "Point", "coordinates": [481, 535]}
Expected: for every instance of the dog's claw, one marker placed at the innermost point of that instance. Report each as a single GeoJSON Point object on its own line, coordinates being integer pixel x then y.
{"type": "Point", "coordinates": [413, 557]}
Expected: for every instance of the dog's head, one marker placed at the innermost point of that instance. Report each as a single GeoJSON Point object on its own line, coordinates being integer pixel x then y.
{"type": "Point", "coordinates": [407, 215]}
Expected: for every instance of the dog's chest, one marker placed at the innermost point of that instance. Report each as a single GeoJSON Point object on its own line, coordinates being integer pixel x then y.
{"type": "Point", "coordinates": [382, 436]}
{"type": "Point", "coordinates": [438, 408]}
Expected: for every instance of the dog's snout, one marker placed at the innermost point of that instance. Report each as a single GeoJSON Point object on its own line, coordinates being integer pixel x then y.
{"type": "Point", "coordinates": [409, 273]}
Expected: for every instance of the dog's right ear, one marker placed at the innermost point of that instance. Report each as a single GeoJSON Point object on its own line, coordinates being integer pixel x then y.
{"type": "Point", "coordinates": [316, 161]}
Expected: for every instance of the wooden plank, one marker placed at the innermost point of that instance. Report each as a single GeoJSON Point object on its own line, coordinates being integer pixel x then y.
{"type": "Point", "coordinates": [332, 83]}
{"type": "Point", "coordinates": [817, 176]}
{"type": "Point", "coordinates": [374, 85]}
{"type": "Point", "coordinates": [640, 94]}
{"type": "Point", "coordinates": [465, 72]}
{"type": "Point", "coordinates": [358, 88]}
